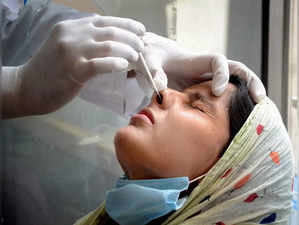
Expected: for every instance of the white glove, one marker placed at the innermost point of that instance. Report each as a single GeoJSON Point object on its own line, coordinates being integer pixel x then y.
{"type": "Point", "coordinates": [184, 68]}
{"type": "Point", "coordinates": [256, 87]}
{"type": "Point", "coordinates": [76, 51]}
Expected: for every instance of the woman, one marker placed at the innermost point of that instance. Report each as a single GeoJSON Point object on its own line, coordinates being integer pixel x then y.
{"type": "Point", "coordinates": [242, 151]}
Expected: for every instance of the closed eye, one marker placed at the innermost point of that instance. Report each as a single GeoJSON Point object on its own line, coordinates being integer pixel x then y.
{"type": "Point", "coordinates": [201, 103]}
{"type": "Point", "coordinates": [197, 107]}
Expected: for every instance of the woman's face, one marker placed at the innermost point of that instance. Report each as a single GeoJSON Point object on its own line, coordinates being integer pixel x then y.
{"type": "Point", "coordinates": [183, 136]}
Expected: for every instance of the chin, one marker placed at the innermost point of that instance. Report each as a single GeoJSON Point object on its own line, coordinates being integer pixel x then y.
{"type": "Point", "coordinates": [129, 138]}
{"type": "Point", "coordinates": [130, 147]}
{"type": "Point", "coordinates": [124, 136]}
{"type": "Point", "coordinates": [126, 142]}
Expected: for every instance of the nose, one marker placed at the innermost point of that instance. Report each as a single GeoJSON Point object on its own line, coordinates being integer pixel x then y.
{"type": "Point", "coordinates": [159, 98]}
{"type": "Point", "coordinates": [167, 98]}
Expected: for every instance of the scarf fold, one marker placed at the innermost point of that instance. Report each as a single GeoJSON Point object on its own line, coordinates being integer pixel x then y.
{"type": "Point", "coordinates": [251, 184]}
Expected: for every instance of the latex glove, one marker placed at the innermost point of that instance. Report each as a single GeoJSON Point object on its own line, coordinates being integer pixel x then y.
{"type": "Point", "coordinates": [76, 51]}
{"type": "Point", "coordinates": [256, 87]}
{"type": "Point", "coordinates": [184, 68]}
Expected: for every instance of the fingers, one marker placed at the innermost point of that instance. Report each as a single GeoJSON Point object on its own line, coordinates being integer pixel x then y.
{"type": "Point", "coordinates": [124, 23]}
{"type": "Point", "coordinates": [154, 60]}
{"type": "Point", "coordinates": [257, 90]}
{"type": "Point", "coordinates": [90, 68]}
{"type": "Point", "coordinates": [255, 85]}
{"type": "Point", "coordinates": [108, 64]}
{"type": "Point", "coordinates": [219, 66]}
{"type": "Point", "coordinates": [93, 45]}
{"type": "Point", "coordinates": [119, 35]}
{"type": "Point", "coordinates": [154, 63]}
{"type": "Point", "coordinates": [160, 80]}
{"type": "Point", "coordinates": [213, 66]}
{"type": "Point", "coordinates": [239, 69]}
{"type": "Point", "coordinates": [113, 40]}
{"type": "Point", "coordinates": [116, 37]}
{"type": "Point", "coordinates": [111, 49]}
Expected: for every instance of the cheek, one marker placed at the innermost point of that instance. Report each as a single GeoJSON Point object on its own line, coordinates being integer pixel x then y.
{"type": "Point", "coordinates": [183, 141]}
{"type": "Point", "coordinates": [189, 144]}
{"type": "Point", "coordinates": [186, 130]}
{"type": "Point", "coordinates": [126, 143]}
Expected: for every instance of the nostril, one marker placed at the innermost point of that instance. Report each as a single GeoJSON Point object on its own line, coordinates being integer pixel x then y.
{"type": "Point", "coordinates": [159, 98]}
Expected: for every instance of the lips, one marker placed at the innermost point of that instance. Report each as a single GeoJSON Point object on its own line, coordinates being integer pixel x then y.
{"type": "Point", "coordinates": [146, 115]}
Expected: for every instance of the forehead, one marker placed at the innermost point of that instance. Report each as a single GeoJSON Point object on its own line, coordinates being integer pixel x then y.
{"type": "Point", "coordinates": [205, 88]}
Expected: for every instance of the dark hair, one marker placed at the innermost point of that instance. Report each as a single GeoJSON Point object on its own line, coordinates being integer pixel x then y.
{"type": "Point", "coordinates": [239, 108]}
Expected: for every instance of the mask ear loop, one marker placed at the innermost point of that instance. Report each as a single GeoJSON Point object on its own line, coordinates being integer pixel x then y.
{"type": "Point", "coordinates": [187, 192]}
{"type": "Point", "coordinates": [197, 178]}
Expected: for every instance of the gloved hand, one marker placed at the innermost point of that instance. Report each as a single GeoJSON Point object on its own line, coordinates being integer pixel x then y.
{"type": "Point", "coordinates": [165, 56]}
{"type": "Point", "coordinates": [256, 87]}
{"type": "Point", "coordinates": [75, 51]}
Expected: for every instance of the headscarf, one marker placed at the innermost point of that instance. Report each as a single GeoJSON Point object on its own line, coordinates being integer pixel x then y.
{"type": "Point", "coordinates": [252, 183]}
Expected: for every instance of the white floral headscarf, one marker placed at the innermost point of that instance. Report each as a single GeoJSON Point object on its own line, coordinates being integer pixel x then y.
{"type": "Point", "coordinates": [251, 184]}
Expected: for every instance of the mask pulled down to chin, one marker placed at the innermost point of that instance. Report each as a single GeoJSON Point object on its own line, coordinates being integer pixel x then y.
{"type": "Point", "coordinates": [137, 202]}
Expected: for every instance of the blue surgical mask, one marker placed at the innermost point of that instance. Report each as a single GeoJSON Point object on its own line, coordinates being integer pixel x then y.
{"type": "Point", "coordinates": [137, 202]}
